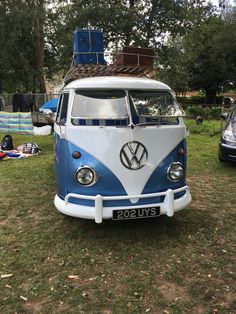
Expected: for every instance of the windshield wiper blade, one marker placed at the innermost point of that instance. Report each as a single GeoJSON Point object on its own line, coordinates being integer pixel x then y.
{"type": "Point", "coordinates": [149, 123]}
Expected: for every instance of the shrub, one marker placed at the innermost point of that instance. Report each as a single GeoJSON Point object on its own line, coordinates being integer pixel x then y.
{"type": "Point", "coordinates": [205, 112]}
{"type": "Point", "coordinates": [209, 128]}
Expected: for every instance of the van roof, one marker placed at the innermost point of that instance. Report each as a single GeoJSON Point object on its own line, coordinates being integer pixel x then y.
{"type": "Point", "coordinates": [117, 82]}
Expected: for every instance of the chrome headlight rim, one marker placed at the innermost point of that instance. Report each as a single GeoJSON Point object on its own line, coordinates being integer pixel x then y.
{"type": "Point", "coordinates": [94, 176]}
{"type": "Point", "coordinates": [174, 164]}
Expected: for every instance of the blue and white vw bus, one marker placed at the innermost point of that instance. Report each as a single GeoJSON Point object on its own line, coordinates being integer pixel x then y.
{"type": "Point", "coordinates": [120, 149]}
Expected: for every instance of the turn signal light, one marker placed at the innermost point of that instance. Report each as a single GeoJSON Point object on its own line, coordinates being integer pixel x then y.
{"type": "Point", "coordinates": [181, 151]}
{"type": "Point", "coordinates": [76, 154]}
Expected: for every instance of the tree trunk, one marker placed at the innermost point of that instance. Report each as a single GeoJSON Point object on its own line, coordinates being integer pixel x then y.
{"type": "Point", "coordinates": [38, 39]}
{"type": "Point", "coordinates": [210, 96]}
{"type": "Point", "coordinates": [39, 53]}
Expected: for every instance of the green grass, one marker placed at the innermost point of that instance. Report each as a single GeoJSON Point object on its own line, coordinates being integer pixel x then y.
{"type": "Point", "coordinates": [173, 265]}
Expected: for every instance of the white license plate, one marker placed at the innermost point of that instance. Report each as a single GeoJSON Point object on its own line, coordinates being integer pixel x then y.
{"type": "Point", "coordinates": [149, 212]}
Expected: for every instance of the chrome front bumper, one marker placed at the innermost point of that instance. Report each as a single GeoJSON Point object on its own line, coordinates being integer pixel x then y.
{"type": "Point", "coordinates": [98, 212]}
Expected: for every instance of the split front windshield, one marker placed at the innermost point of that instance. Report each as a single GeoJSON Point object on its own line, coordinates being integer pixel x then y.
{"type": "Point", "coordinates": [155, 104]}
{"type": "Point", "coordinates": [137, 106]}
{"type": "Point", "coordinates": [92, 104]}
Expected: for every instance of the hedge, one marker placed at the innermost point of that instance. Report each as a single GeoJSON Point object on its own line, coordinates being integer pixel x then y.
{"type": "Point", "coordinates": [198, 100]}
{"type": "Point", "coordinates": [205, 112]}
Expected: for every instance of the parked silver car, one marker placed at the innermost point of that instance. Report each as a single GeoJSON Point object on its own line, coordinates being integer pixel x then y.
{"type": "Point", "coordinates": [227, 145]}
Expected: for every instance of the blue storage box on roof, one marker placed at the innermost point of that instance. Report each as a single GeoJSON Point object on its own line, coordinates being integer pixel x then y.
{"type": "Point", "coordinates": [88, 47]}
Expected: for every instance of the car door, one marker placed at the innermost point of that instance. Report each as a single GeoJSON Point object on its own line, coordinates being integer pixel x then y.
{"type": "Point", "coordinates": [61, 146]}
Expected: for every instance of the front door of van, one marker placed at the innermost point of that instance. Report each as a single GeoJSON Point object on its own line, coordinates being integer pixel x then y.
{"type": "Point", "coordinates": [61, 146]}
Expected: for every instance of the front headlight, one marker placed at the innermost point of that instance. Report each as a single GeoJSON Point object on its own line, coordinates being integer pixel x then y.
{"type": "Point", "coordinates": [228, 136]}
{"type": "Point", "coordinates": [86, 176]}
{"type": "Point", "coordinates": [175, 171]}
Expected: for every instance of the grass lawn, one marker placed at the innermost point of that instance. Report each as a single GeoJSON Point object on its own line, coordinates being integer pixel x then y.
{"type": "Point", "coordinates": [58, 264]}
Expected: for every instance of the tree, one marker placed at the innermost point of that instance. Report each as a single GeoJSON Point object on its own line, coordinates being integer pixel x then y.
{"type": "Point", "coordinates": [211, 54]}
{"type": "Point", "coordinates": [15, 51]}
{"type": "Point", "coordinates": [129, 22]}
{"type": "Point", "coordinates": [22, 30]}
{"type": "Point", "coordinates": [204, 58]}
{"type": "Point", "coordinates": [37, 12]}
{"type": "Point", "coordinates": [37, 34]}
{"type": "Point", "coordinates": [173, 65]}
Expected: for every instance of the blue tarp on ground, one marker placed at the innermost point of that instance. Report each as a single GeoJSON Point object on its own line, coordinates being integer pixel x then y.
{"type": "Point", "coordinates": [52, 105]}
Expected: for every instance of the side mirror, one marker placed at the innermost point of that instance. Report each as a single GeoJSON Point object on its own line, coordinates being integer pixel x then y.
{"type": "Point", "coordinates": [187, 132]}
{"type": "Point", "coordinates": [224, 116]}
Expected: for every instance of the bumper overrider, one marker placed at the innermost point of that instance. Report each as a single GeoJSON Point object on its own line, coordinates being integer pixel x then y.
{"type": "Point", "coordinates": [99, 212]}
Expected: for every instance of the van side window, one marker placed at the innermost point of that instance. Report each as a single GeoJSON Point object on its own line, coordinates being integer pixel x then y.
{"type": "Point", "coordinates": [62, 109]}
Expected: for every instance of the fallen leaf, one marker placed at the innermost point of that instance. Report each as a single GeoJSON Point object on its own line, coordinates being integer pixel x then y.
{"type": "Point", "coordinates": [136, 294]}
{"type": "Point", "coordinates": [73, 277]}
{"type": "Point", "coordinates": [6, 276]}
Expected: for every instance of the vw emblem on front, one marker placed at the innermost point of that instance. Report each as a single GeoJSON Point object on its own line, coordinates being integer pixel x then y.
{"type": "Point", "coordinates": [133, 155]}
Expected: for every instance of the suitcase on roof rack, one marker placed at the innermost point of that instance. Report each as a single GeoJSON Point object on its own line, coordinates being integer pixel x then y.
{"type": "Point", "coordinates": [134, 56]}
{"type": "Point", "coordinates": [88, 47]}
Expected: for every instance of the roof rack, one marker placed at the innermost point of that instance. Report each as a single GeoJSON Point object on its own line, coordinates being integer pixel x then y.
{"type": "Point", "coordinates": [90, 70]}
{"type": "Point", "coordinates": [118, 63]}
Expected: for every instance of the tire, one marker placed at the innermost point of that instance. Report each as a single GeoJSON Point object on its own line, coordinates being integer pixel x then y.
{"type": "Point", "coordinates": [220, 159]}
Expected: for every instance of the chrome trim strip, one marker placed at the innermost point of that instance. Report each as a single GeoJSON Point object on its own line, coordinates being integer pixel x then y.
{"type": "Point", "coordinates": [104, 118]}
{"type": "Point", "coordinates": [227, 145]}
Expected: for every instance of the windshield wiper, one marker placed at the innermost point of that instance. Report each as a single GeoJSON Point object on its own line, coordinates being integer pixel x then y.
{"type": "Point", "coordinates": [149, 123]}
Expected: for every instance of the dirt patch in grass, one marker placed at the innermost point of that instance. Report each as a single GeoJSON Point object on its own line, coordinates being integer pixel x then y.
{"type": "Point", "coordinates": [201, 310]}
{"type": "Point", "coordinates": [173, 292]}
{"type": "Point", "coordinates": [35, 307]}
{"type": "Point", "coordinates": [207, 192]}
